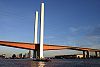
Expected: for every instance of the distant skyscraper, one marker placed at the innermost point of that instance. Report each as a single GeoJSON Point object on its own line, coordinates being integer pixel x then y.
{"type": "Point", "coordinates": [20, 55]}
{"type": "Point", "coordinates": [29, 54]}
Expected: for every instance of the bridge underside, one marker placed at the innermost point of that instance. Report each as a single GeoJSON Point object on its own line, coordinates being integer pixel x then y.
{"type": "Point", "coordinates": [32, 46]}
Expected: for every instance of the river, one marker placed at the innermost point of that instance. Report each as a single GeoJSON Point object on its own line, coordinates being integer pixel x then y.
{"type": "Point", "coordinates": [52, 63]}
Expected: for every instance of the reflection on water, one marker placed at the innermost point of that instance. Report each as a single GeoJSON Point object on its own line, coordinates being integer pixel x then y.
{"type": "Point", "coordinates": [41, 64]}
{"type": "Point", "coordinates": [69, 63]}
{"type": "Point", "coordinates": [38, 64]}
{"type": "Point", "coordinates": [52, 63]}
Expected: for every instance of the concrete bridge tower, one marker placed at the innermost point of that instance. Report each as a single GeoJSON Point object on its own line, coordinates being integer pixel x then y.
{"type": "Point", "coordinates": [41, 30]}
{"type": "Point", "coordinates": [35, 34]}
{"type": "Point", "coordinates": [38, 53]}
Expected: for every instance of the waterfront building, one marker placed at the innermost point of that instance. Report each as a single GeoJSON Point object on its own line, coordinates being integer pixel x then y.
{"type": "Point", "coordinates": [2, 56]}
{"type": "Point", "coordinates": [69, 56]}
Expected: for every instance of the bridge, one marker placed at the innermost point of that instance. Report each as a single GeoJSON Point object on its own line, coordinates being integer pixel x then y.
{"type": "Point", "coordinates": [38, 48]}
{"type": "Point", "coordinates": [31, 46]}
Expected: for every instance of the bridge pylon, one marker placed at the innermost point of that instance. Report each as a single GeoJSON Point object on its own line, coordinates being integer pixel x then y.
{"type": "Point", "coordinates": [38, 52]}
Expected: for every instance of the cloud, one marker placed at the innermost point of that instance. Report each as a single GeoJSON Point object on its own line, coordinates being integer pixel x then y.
{"type": "Point", "coordinates": [84, 36]}
{"type": "Point", "coordinates": [94, 35]}
{"type": "Point", "coordinates": [81, 30]}
{"type": "Point", "coordinates": [74, 29]}
{"type": "Point", "coordinates": [92, 38]}
{"type": "Point", "coordinates": [95, 32]}
{"type": "Point", "coordinates": [49, 37]}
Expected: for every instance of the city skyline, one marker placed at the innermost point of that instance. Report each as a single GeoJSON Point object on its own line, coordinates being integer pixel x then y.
{"type": "Point", "coordinates": [73, 23]}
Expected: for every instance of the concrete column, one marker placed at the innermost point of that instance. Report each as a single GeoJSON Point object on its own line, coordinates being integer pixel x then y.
{"type": "Point", "coordinates": [35, 34]}
{"type": "Point", "coordinates": [87, 55]}
{"type": "Point", "coordinates": [36, 28]}
{"type": "Point", "coordinates": [99, 53]}
{"type": "Point", "coordinates": [83, 54]}
{"type": "Point", "coordinates": [96, 54]}
{"type": "Point", "coordinates": [37, 51]}
{"type": "Point", "coordinates": [41, 30]}
{"type": "Point", "coordinates": [34, 53]}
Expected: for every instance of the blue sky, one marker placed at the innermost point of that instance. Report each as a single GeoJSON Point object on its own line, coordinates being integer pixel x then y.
{"type": "Point", "coordinates": [67, 22]}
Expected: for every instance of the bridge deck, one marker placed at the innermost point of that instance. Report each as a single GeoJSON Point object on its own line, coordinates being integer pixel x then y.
{"type": "Point", "coordinates": [31, 46]}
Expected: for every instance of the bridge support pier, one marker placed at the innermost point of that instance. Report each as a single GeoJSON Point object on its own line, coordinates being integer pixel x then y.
{"type": "Point", "coordinates": [83, 54]}
{"type": "Point", "coordinates": [87, 56]}
{"type": "Point", "coordinates": [96, 54]}
{"type": "Point", "coordinates": [34, 53]}
{"type": "Point", "coordinates": [99, 54]}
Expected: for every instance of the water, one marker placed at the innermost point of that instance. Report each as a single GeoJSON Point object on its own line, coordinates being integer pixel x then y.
{"type": "Point", "coordinates": [52, 63]}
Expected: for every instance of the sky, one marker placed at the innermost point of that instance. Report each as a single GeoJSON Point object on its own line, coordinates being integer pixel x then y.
{"type": "Point", "coordinates": [67, 22]}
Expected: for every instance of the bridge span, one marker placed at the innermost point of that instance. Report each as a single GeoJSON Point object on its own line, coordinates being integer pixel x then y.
{"type": "Point", "coordinates": [31, 46]}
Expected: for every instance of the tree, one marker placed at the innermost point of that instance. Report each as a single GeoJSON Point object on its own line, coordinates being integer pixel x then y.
{"type": "Point", "coordinates": [13, 56]}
